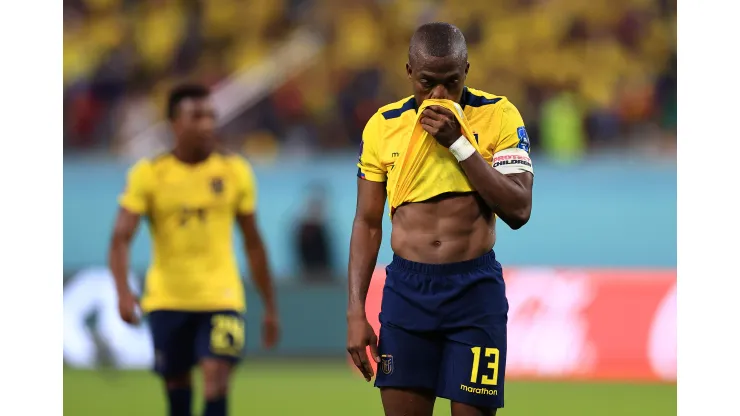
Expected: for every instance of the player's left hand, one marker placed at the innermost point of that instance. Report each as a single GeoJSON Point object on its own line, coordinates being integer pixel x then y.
{"type": "Point", "coordinates": [270, 330]}
{"type": "Point", "coordinates": [441, 124]}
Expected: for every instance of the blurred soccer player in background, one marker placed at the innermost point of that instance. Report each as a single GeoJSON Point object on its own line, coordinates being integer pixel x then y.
{"type": "Point", "coordinates": [193, 296]}
{"type": "Point", "coordinates": [444, 310]}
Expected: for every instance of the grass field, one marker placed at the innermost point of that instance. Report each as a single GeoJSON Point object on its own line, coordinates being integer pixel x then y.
{"type": "Point", "coordinates": [329, 389]}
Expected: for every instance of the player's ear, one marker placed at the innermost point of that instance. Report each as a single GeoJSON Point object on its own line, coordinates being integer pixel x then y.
{"type": "Point", "coordinates": [467, 67]}
{"type": "Point", "coordinates": [408, 70]}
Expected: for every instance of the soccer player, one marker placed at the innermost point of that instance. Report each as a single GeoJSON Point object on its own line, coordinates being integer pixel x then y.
{"type": "Point", "coordinates": [444, 309]}
{"type": "Point", "coordinates": [193, 296]}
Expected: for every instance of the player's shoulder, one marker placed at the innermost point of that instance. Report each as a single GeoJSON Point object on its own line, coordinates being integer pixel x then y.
{"type": "Point", "coordinates": [389, 117]}
{"type": "Point", "coordinates": [145, 165]}
{"type": "Point", "coordinates": [235, 163]}
{"type": "Point", "coordinates": [153, 164]}
{"type": "Point", "coordinates": [144, 171]}
{"type": "Point", "coordinates": [395, 109]}
{"type": "Point", "coordinates": [233, 159]}
{"type": "Point", "coordinates": [485, 101]}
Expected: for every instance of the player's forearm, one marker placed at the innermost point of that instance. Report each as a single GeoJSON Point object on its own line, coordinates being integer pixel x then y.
{"type": "Point", "coordinates": [261, 275]}
{"type": "Point", "coordinates": [124, 230]}
{"type": "Point", "coordinates": [508, 199]}
{"type": "Point", "coordinates": [118, 256]}
{"type": "Point", "coordinates": [363, 254]}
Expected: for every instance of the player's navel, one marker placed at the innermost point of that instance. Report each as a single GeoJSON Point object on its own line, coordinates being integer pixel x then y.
{"type": "Point", "coordinates": [436, 243]}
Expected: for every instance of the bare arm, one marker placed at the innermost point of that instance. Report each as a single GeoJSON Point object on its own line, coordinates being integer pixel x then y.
{"type": "Point", "coordinates": [367, 232]}
{"type": "Point", "coordinates": [118, 259]}
{"type": "Point", "coordinates": [509, 196]}
{"type": "Point", "coordinates": [255, 251]}
{"type": "Point", "coordinates": [118, 255]}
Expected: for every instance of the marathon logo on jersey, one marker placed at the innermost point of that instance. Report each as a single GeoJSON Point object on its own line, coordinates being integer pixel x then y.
{"type": "Point", "coordinates": [521, 133]}
{"type": "Point", "coordinates": [512, 160]}
{"type": "Point", "coordinates": [386, 364]}
{"type": "Point", "coordinates": [217, 185]}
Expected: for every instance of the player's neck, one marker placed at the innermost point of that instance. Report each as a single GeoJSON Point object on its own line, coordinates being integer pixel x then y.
{"type": "Point", "coordinates": [190, 157]}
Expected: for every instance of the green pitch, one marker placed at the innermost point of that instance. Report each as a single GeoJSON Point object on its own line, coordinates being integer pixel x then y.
{"type": "Point", "coordinates": [328, 389]}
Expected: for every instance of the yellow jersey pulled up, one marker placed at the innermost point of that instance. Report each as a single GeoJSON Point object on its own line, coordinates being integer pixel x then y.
{"type": "Point", "coordinates": [495, 122]}
{"type": "Point", "coordinates": [191, 211]}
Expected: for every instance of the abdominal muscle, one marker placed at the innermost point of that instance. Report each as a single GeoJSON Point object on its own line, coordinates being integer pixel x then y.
{"type": "Point", "coordinates": [445, 229]}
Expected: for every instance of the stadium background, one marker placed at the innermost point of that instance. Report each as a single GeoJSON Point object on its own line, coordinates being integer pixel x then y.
{"type": "Point", "coordinates": [591, 277]}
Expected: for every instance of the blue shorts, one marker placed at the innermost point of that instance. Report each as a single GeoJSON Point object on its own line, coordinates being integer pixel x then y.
{"type": "Point", "coordinates": [443, 329]}
{"type": "Point", "coordinates": [181, 338]}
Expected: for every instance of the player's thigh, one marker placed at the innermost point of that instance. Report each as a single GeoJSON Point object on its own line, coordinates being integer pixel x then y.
{"type": "Point", "coordinates": [463, 409]}
{"type": "Point", "coordinates": [407, 401]}
{"type": "Point", "coordinates": [473, 368]}
{"type": "Point", "coordinates": [220, 336]}
{"type": "Point", "coordinates": [173, 336]}
{"type": "Point", "coordinates": [408, 359]}
{"type": "Point", "coordinates": [216, 376]}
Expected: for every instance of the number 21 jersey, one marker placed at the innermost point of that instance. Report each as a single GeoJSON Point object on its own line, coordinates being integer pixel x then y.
{"type": "Point", "coordinates": [191, 211]}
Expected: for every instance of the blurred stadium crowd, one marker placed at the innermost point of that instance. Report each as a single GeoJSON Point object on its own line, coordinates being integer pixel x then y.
{"type": "Point", "coordinates": [586, 74]}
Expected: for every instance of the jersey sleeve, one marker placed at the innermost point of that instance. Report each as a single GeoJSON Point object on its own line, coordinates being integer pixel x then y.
{"type": "Point", "coordinates": [247, 198]}
{"type": "Point", "coordinates": [369, 166]}
{"type": "Point", "coordinates": [511, 153]}
{"type": "Point", "coordinates": [136, 196]}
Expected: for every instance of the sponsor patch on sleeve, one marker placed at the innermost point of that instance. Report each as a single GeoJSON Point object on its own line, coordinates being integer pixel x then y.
{"type": "Point", "coordinates": [521, 133]}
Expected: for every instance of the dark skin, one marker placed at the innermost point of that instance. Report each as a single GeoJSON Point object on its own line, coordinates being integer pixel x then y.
{"type": "Point", "coordinates": [194, 128]}
{"type": "Point", "coordinates": [449, 228]}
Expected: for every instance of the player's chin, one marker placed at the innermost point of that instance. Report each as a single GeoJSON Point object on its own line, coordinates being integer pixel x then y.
{"type": "Point", "coordinates": [207, 143]}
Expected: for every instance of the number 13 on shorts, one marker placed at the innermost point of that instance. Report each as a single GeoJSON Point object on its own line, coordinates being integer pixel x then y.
{"type": "Point", "coordinates": [490, 356]}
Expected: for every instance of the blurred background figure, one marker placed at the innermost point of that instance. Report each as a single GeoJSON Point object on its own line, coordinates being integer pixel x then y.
{"type": "Point", "coordinates": [294, 82]}
{"type": "Point", "coordinates": [312, 239]}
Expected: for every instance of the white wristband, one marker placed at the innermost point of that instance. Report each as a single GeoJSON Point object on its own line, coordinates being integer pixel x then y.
{"type": "Point", "coordinates": [462, 149]}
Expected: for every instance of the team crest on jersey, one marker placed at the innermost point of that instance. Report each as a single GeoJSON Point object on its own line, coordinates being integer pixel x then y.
{"type": "Point", "coordinates": [386, 364]}
{"type": "Point", "coordinates": [217, 185]}
{"type": "Point", "coordinates": [521, 132]}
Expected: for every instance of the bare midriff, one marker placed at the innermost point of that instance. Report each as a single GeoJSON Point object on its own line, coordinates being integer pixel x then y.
{"type": "Point", "coordinates": [446, 229]}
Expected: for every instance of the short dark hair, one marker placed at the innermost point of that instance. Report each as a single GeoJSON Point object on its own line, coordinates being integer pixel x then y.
{"type": "Point", "coordinates": [184, 92]}
{"type": "Point", "coordinates": [438, 39]}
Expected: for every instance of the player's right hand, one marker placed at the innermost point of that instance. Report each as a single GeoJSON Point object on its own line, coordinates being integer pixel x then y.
{"type": "Point", "coordinates": [360, 335]}
{"type": "Point", "coordinates": [127, 308]}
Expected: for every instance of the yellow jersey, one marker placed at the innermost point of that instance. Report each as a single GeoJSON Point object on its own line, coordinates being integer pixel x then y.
{"type": "Point", "coordinates": [496, 124]}
{"type": "Point", "coordinates": [191, 211]}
